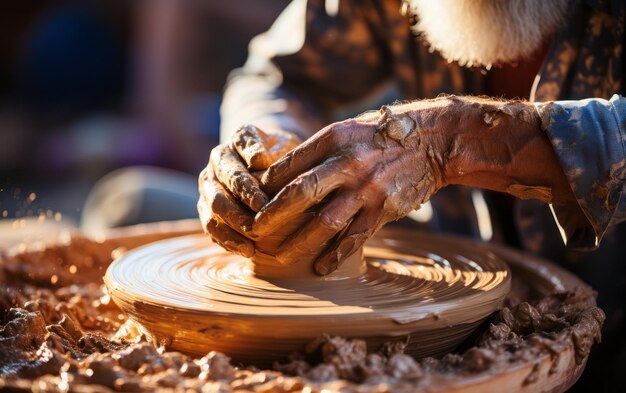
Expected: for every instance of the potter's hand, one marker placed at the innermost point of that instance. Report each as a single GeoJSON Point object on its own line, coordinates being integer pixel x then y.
{"type": "Point", "coordinates": [229, 191]}
{"type": "Point", "coordinates": [376, 168]}
{"type": "Point", "coordinates": [366, 171]}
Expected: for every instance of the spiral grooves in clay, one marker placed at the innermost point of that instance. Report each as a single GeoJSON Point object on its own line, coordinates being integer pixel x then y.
{"type": "Point", "coordinates": [197, 297]}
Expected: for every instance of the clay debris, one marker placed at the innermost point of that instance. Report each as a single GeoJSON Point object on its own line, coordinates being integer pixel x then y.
{"type": "Point", "coordinates": [68, 335]}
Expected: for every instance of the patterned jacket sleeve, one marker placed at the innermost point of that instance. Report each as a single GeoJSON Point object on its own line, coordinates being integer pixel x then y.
{"type": "Point", "coordinates": [313, 58]}
{"type": "Point", "coordinates": [589, 137]}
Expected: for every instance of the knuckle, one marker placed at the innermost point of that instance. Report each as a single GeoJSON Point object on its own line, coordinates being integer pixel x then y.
{"type": "Point", "coordinates": [206, 179]}
{"type": "Point", "coordinates": [204, 174]}
{"type": "Point", "coordinates": [211, 228]}
{"type": "Point", "coordinates": [258, 156]}
{"type": "Point", "coordinates": [242, 185]}
{"type": "Point", "coordinates": [296, 190]}
{"type": "Point", "coordinates": [239, 176]}
{"type": "Point", "coordinates": [330, 221]}
{"type": "Point", "coordinates": [244, 133]}
{"type": "Point", "coordinates": [329, 134]}
{"type": "Point", "coordinates": [374, 186]}
{"type": "Point", "coordinates": [211, 195]}
{"type": "Point", "coordinates": [247, 129]}
{"type": "Point", "coordinates": [205, 227]}
{"type": "Point", "coordinates": [340, 127]}
{"type": "Point", "coordinates": [273, 171]}
{"type": "Point", "coordinates": [216, 154]}
{"type": "Point", "coordinates": [201, 206]}
{"type": "Point", "coordinates": [216, 202]}
{"type": "Point", "coordinates": [208, 188]}
{"type": "Point", "coordinates": [236, 183]}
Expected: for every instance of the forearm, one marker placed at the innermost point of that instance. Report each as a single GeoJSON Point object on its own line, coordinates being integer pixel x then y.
{"type": "Point", "coordinates": [257, 93]}
{"type": "Point", "coordinates": [297, 73]}
{"type": "Point", "coordinates": [495, 145]}
{"type": "Point", "coordinates": [502, 147]}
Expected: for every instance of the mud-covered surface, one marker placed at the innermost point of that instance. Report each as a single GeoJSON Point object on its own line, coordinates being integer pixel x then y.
{"type": "Point", "coordinates": [59, 330]}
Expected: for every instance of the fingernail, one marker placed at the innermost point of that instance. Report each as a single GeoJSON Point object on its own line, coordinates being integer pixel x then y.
{"type": "Point", "coordinates": [322, 270]}
{"type": "Point", "coordinates": [327, 265]}
{"type": "Point", "coordinates": [331, 262]}
{"type": "Point", "coordinates": [257, 202]}
{"type": "Point", "coordinates": [347, 247]}
{"type": "Point", "coordinates": [246, 250]}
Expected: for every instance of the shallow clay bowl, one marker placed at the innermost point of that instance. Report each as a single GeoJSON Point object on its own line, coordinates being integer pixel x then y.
{"type": "Point", "coordinates": [542, 372]}
{"type": "Point", "coordinates": [429, 291]}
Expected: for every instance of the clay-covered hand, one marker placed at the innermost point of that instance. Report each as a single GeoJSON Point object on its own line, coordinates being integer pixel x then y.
{"type": "Point", "coordinates": [230, 192]}
{"type": "Point", "coordinates": [357, 175]}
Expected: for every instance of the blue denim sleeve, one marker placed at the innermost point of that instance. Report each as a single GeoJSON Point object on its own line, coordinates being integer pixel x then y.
{"type": "Point", "coordinates": [589, 138]}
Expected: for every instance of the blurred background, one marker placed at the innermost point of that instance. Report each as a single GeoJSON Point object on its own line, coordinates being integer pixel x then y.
{"type": "Point", "coordinates": [91, 87]}
{"type": "Point", "coordinates": [109, 109]}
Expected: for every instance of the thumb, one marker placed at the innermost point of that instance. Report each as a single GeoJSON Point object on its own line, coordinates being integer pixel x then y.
{"type": "Point", "coordinates": [252, 145]}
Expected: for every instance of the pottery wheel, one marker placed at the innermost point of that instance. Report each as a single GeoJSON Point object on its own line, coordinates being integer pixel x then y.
{"type": "Point", "coordinates": [195, 297]}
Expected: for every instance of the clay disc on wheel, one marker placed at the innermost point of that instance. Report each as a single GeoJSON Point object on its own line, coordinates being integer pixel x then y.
{"type": "Point", "coordinates": [195, 297]}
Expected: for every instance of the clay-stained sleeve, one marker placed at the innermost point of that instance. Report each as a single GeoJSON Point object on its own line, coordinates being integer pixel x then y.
{"type": "Point", "coordinates": [589, 138]}
{"type": "Point", "coordinates": [313, 59]}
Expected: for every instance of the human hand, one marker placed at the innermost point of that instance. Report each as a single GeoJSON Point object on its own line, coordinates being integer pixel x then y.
{"type": "Point", "coordinates": [230, 192]}
{"type": "Point", "coordinates": [364, 172]}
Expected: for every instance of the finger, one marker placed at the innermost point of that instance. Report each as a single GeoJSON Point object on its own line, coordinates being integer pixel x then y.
{"type": "Point", "coordinates": [304, 192]}
{"type": "Point", "coordinates": [250, 143]}
{"type": "Point", "coordinates": [359, 230]}
{"type": "Point", "coordinates": [278, 144]}
{"type": "Point", "coordinates": [216, 203]}
{"type": "Point", "coordinates": [229, 239]}
{"type": "Point", "coordinates": [260, 149]}
{"type": "Point", "coordinates": [308, 242]}
{"type": "Point", "coordinates": [313, 151]}
{"type": "Point", "coordinates": [232, 173]}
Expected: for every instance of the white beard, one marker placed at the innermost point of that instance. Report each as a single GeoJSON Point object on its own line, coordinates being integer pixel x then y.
{"type": "Point", "coordinates": [487, 32]}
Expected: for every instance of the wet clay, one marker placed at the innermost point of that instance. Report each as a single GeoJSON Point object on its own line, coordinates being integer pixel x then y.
{"type": "Point", "coordinates": [66, 334]}
{"type": "Point", "coordinates": [196, 297]}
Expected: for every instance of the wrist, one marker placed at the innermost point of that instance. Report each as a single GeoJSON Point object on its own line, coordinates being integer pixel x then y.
{"type": "Point", "coordinates": [412, 135]}
{"type": "Point", "coordinates": [500, 145]}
